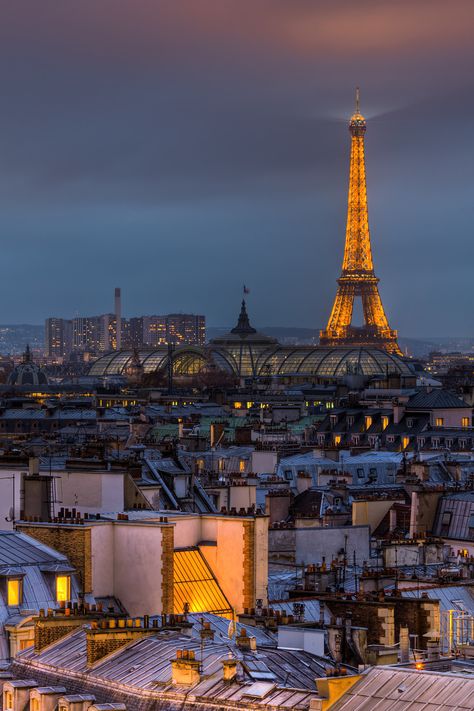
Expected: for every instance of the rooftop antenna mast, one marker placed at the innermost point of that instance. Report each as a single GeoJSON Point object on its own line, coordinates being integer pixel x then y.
{"type": "Point", "coordinates": [357, 100]}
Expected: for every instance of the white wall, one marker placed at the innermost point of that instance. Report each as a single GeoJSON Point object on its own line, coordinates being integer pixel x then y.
{"type": "Point", "coordinates": [10, 490]}
{"type": "Point", "coordinates": [137, 567]}
{"type": "Point", "coordinates": [90, 492]}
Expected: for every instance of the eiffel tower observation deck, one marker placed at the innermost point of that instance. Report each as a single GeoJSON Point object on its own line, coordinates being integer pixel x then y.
{"type": "Point", "coordinates": [358, 277]}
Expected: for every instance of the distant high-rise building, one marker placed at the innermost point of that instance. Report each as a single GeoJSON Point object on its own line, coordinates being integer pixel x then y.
{"type": "Point", "coordinates": [185, 328]}
{"type": "Point", "coordinates": [153, 331]}
{"type": "Point", "coordinates": [58, 337]}
{"type": "Point", "coordinates": [118, 319]}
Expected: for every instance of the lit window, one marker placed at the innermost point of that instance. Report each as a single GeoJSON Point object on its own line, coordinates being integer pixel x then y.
{"type": "Point", "coordinates": [337, 440]}
{"type": "Point", "coordinates": [63, 588]}
{"type": "Point", "coordinates": [14, 592]}
{"type": "Point", "coordinates": [465, 422]}
{"type": "Point", "coordinates": [34, 705]}
{"type": "Point", "coordinates": [405, 442]}
{"type": "Point", "coordinates": [439, 421]}
{"type": "Point", "coordinates": [368, 422]}
{"type": "Point", "coordinates": [242, 465]}
{"type": "Point", "coordinates": [8, 700]}
{"type": "Point", "coordinates": [238, 405]}
{"type": "Point", "coordinates": [249, 405]}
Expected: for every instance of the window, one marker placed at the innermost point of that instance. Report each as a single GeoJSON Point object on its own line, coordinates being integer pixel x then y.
{"type": "Point", "coordinates": [238, 405]}
{"type": "Point", "coordinates": [448, 443]}
{"type": "Point", "coordinates": [63, 588]}
{"type": "Point", "coordinates": [410, 422]}
{"type": "Point", "coordinates": [34, 704]}
{"type": "Point", "coordinates": [288, 474]}
{"type": "Point", "coordinates": [439, 421]}
{"type": "Point", "coordinates": [14, 591]}
{"type": "Point", "coordinates": [471, 521]}
{"type": "Point", "coordinates": [333, 420]}
{"type": "Point", "coordinates": [446, 518]}
{"type": "Point", "coordinates": [350, 420]}
{"type": "Point", "coordinates": [368, 422]}
{"type": "Point", "coordinates": [435, 443]}
{"type": "Point", "coordinates": [373, 474]}
{"type": "Point", "coordinates": [462, 444]}
{"type": "Point", "coordinates": [421, 441]}
{"type": "Point", "coordinates": [8, 700]}
{"type": "Point", "coordinates": [465, 422]}
{"type": "Point", "coordinates": [355, 439]}
{"type": "Point", "coordinates": [360, 473]}
{"type": "Point", "coordinates": [25, 643]}
{"type": "Point", "coordinates": [242, 465]}
{"type": "Point", "coordinates": [337, 440]}
{"type": "Point", "coordinates": [384, 422]}
{"type": "Point", "coordinates": [405, 442]}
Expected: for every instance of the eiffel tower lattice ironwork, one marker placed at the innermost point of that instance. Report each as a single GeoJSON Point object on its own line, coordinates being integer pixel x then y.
{"type": "Point", "coordinates": [358, 278]}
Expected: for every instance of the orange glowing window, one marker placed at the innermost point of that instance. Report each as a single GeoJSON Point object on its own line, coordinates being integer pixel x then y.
{"type": "Point", "coordinates": [405, 442]}
{"type": "Point", "coordinates": [63, 588]}
{"type": "Point", "coordinates": [8, 700]}
{"type": "Point", "coordinates": [337, 440]}
{"type": "Point", "coordinates": [439, 421]}
{"type": "Point", "coordinates": [465, 422]}
{"type": "Point", "coordinates": [384, 422]}
{"type": "Point", "coordinates": [368, 422]}
{"type": "Point", "coordinates": [14, 592]}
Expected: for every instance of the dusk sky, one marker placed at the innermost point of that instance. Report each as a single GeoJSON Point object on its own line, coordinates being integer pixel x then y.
{"type": "Point", "coordinates": [181, 148]}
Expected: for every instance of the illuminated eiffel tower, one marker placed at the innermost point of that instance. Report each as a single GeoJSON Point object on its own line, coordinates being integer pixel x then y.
{"type": "Point", "coordinates": [358, 277]}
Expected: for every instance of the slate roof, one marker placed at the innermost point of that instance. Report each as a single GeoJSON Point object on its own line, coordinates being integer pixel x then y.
{"type": "Point", "coordinates": [436, 399]}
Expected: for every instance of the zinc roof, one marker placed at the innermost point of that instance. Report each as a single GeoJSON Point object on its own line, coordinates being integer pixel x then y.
{"type": "Point", "coordinates": [392, 689]}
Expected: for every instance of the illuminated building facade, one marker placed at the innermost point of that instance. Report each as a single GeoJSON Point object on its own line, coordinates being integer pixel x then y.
{"type": "Point", "coordinates": [358, 278]}
{"type": "Point", "coordinates": [58, 337]}
{"type": "Point", "coordinates": [153, 331]}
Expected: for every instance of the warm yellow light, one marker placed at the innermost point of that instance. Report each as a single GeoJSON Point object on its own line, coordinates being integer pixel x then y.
{"type": "Point", "coordinates": [384, 422]}
{"type": "Point", "coordinates": [63, 588]}
{"type": "Point", "coordinates": [242, 465]}
{"type": "Point", "coordinates": [405, 442]}
{"type": "Point", "coordinates": [337, 440]}
{"type": "Point", "coordinates": [419, 665]}
{"type": "Point", "coordinates": [8, 700]}
{"type": "Point", "coordinates": [465, 422]}
{"type": "Point", "coordinates": [439, 421]}
{"type": "Point", "coordinates": [34, 704]}
{"type": "Point", "coordinates": [13, 592]}
{"type": "Point", "coordinates": [368, 422]}
{"type": "Point", "coordinates": [237, 405]}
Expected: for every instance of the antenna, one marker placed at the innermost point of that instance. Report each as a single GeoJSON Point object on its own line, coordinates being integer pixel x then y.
{"type": "Point", "coordinates": [357, 100]}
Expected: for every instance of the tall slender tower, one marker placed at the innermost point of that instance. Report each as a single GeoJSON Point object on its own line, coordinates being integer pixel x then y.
{"type": "Point", "coordinates": [118, 318]}
{"type": "Point", "coordinates": [358, 277]}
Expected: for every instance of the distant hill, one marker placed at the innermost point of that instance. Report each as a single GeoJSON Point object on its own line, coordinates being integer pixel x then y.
{"type": "Point", "coordinates": [15, 337]}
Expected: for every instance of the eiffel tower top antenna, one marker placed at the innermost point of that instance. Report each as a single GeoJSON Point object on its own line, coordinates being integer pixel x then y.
{"type": "Point", "coordinates": [357, 100]}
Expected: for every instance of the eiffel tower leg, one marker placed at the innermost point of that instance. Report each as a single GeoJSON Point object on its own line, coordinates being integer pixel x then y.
{"type": "Point", "coordinates": [374, 314]}
{"type": "Point", "coordinates": [341, 314]}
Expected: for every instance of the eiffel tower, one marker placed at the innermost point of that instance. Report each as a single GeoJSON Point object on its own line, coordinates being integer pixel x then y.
{"type": "Point", "coordinates": [358, 277]}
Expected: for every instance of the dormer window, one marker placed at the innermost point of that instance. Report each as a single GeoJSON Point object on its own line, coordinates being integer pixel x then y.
{"type": "Point", "coordinates": [350, 420]}
{"type": "Point", "coordinates": [384, 422]}
{"type": "Point", "coordinates": [368, 421]}
{"type": "Point", "coordinates": [410, 422]}
{"type": "Point", "coordinates": [333, 420]}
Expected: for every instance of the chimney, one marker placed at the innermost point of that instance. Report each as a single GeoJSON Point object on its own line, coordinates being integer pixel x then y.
{"type": "Point", "coordinates": [432, 650]}
{"type": "Point", "coordinates": [404, 645]}
{"type": "Point", "coordinates": [206, 632]}
{"type": "Point", "coordinates": [392, 520]}
{"type": "Point", "coordinates": [185, 668]}
{"type": "Point", "coordinates": [246, 643]}
{"type": "Point", "coordinates": [229, 668]}
{"type": "Point", "coordinates": [112, 634]}
{"type": "Point", "coordinates": [118, 318]}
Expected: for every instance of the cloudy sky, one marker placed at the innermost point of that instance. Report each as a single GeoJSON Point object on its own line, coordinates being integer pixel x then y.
{"type": "Point", "coordinates": [180, 148]}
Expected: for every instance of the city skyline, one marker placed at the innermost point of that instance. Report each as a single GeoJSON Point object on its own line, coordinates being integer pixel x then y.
{"type": "Point", "coordinates": [130, 156]}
